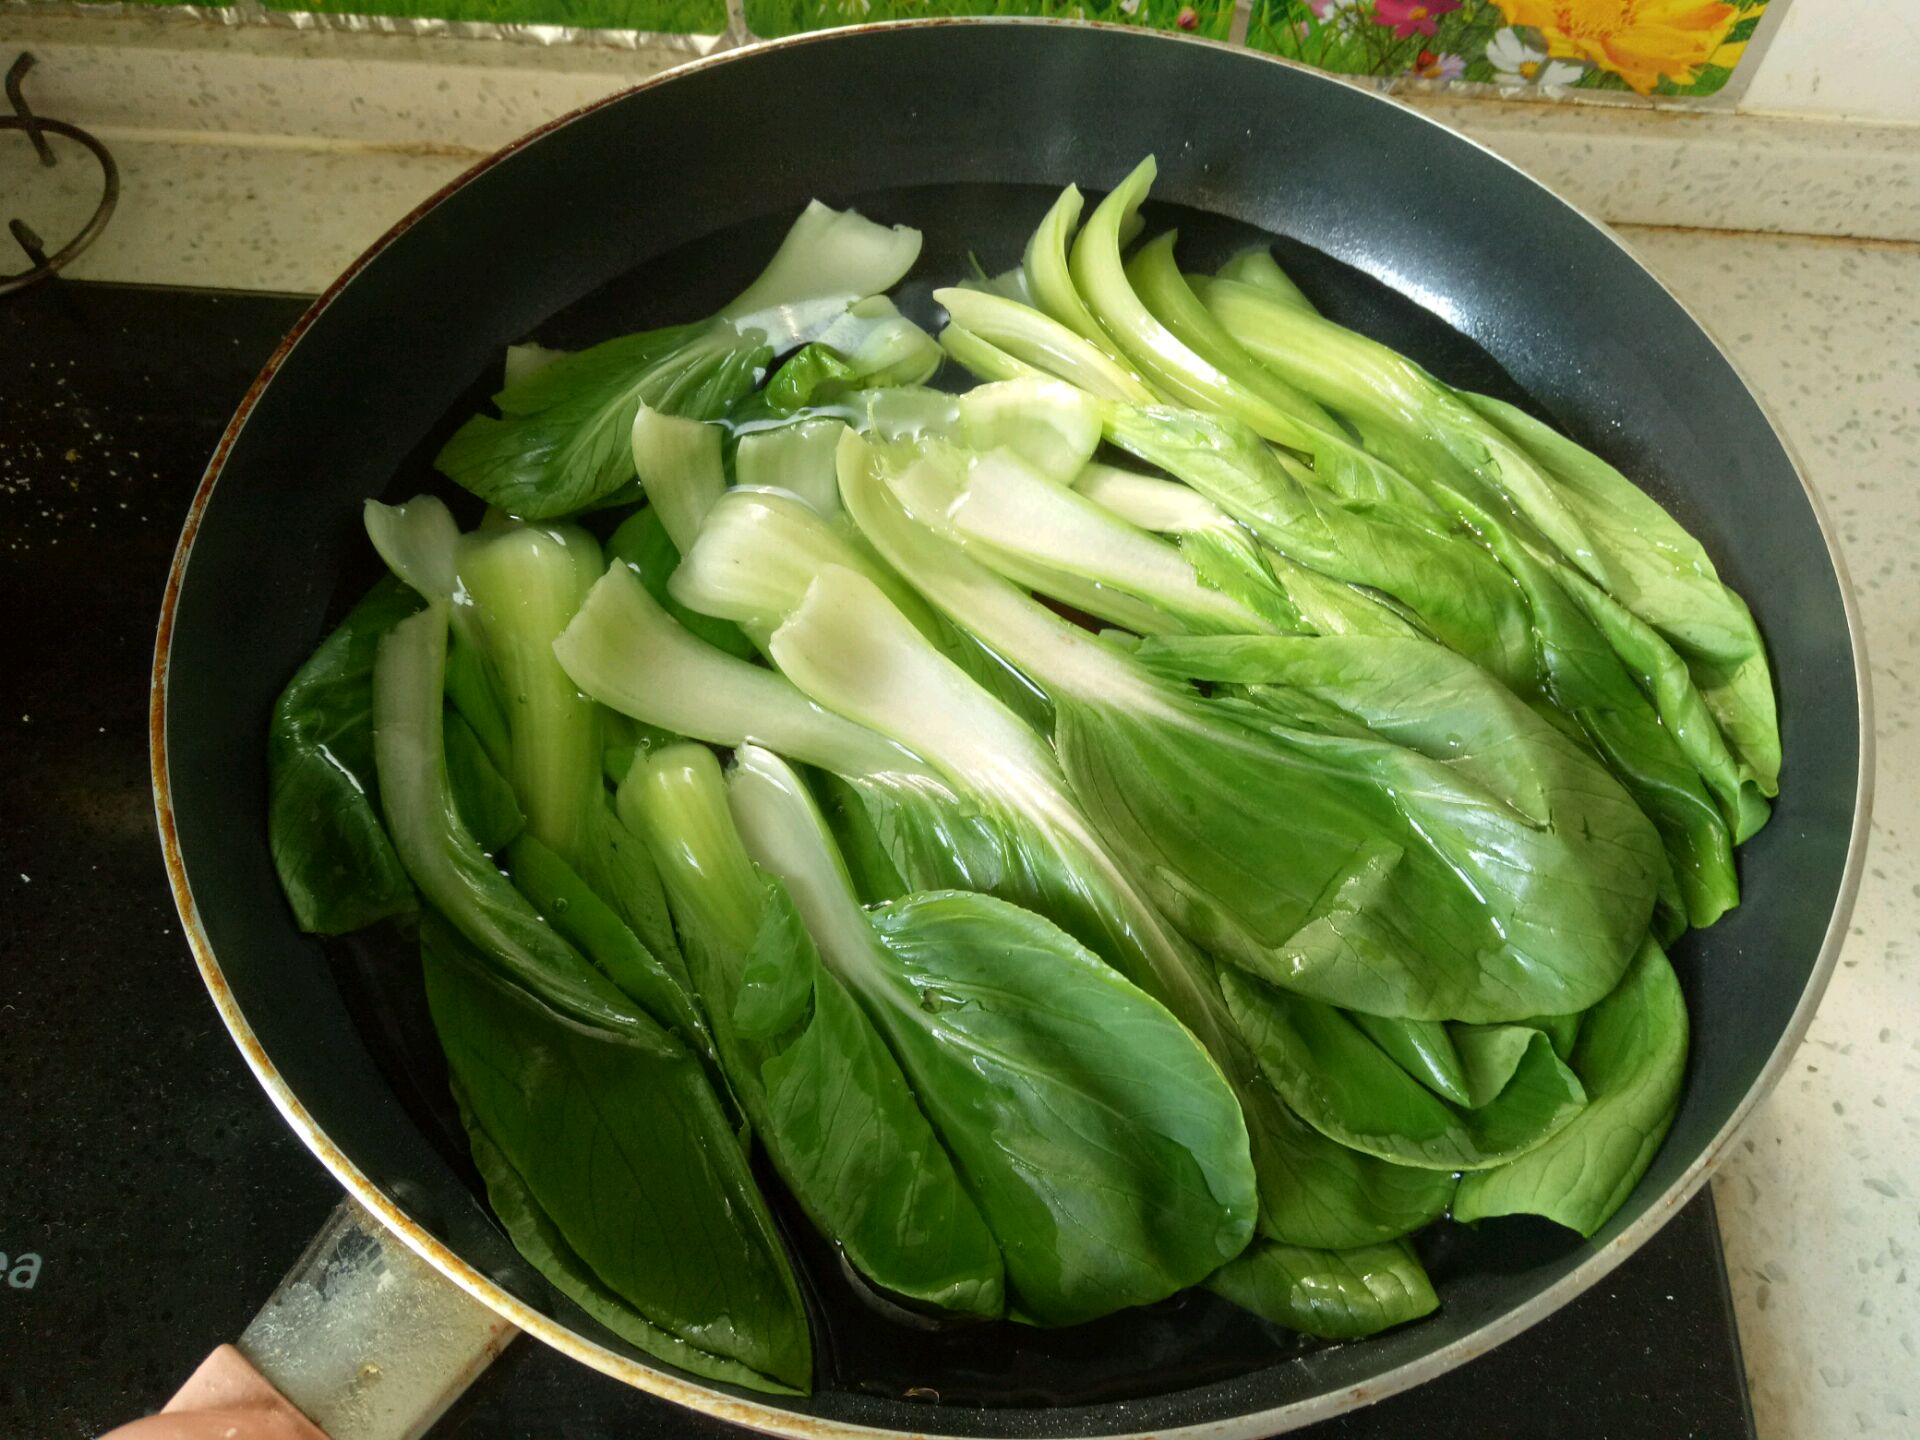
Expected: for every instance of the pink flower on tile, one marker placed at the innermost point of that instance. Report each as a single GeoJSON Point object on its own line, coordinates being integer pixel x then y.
{"type": "Point", "coordinates": [1429, 66]}
{"type": "Point", "coordinates": [1411, 17]}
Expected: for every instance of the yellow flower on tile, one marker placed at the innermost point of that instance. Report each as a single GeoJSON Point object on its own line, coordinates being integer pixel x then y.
{"type": "Point", "coordinates": [1638, 40]}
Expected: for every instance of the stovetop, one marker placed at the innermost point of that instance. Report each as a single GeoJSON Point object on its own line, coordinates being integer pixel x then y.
{"type": "Point", "coordinates": [149, 1195]}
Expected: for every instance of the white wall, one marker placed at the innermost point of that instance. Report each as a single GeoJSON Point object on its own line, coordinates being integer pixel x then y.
{"type": "Point", "coordinates": [1858, 58]}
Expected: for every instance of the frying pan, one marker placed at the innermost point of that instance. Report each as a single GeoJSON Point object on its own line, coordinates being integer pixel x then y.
{"type": "Point", "coordinates": [656, 205]}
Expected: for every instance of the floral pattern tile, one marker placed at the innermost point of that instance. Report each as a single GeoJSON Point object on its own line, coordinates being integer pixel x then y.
{"type": "Point", "coordinates": [1554, 47]}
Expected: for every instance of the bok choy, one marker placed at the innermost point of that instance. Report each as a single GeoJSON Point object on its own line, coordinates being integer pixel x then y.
{"type": "Point", "coordinates": [1193, 808]}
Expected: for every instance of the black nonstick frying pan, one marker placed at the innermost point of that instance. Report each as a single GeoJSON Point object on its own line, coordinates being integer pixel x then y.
{"type": "Point", "coordinates": [656, 206]}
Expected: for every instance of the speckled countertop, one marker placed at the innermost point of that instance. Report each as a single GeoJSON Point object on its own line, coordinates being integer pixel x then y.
{"type": "Point", "coordinates": [248, 166]}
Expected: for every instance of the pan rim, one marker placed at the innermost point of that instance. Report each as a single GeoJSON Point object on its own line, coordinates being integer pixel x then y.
{"type": "Point", "coordinates": [778, 1421]}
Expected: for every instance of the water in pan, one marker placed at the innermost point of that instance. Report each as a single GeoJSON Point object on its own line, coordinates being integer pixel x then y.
{"type": "Point", "coordinates": [1189, 1340]}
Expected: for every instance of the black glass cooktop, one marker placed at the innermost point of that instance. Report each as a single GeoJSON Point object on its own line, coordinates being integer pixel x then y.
{"type": "Point", "coordinates": [150, 1196]}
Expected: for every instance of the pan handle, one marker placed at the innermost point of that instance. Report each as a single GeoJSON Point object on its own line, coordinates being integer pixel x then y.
{"type": "Point", "coordinates": [365, 1339]}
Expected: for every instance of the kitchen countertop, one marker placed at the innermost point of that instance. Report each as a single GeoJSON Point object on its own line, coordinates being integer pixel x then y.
{"type": "Point", "coordinates": [1820, 1200]}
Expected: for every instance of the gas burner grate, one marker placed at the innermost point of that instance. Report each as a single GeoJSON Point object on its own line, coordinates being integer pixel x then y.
{"type": "Point", "coordinates": [37, 129]}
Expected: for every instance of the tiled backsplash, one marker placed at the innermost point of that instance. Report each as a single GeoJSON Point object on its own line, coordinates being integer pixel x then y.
{"type": "Point", "coordinates": [1675, 50]}
{"type": "Point", "coordinates": [1852, 59]}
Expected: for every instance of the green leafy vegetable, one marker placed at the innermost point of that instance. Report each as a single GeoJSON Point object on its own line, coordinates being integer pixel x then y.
{"type": "Point", "coordinates": [441, 855]}
{"type": "Point", "coordinates": [663, 1237]}
{"type": "Point", "coordinates": [1010, 825]}
{"type": "Point", "coordinates": [1467, 465]}
{"type": "Point", "coordinates": [644, 547]}
{"type": "Point", "coordinates": [1367, 896]}
{"type": "Point", "coordinates": [660, 986]}
{"type": "Point", "coordinates": [1347, 1088]}
{"type": "Point", "coordinates": [1631, 1057]}
{"type": "Point", "coordinates": [1457, 592]}
{"type": "Point", "coordinates": [1423, 1049]}
{"type": "Point", "coordinates": [1101, 1141]}
{"type": "Point", "coordinates": [1653, 567]}
{"type": "Point", "coordinates": [481, 794]}
{"type": "Point", "coordinates": [335, 862]}
{"type": "Point", "coordinates": [561, 441]}
{"type": "Point", "coordinates": [1334, 1294]}
{"type": "Point", "coordinates": [826, 1098]}
{"type": "Point", "coordinates": [1232, 943]}
{"type": "Point", "coordinates": [521, 585]}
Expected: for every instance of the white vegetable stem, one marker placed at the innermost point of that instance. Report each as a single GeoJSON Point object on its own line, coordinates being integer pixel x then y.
{"type": "Point", "coordinates": [829, 259]}
{"type": "Point", "coordinates": [417, 540]}
{"type": "Point", "coordinates": [756, 554]}
{"type": "Point", "coordinates": [796, 458]}
{"type": "Point", "coordinates": [1035, 339]}
{"type": "Point", "coordinates": [1008, 508]}
{"type": "Point", "coordinates": [525, 584]}
{"type": "Point", "coordinates": [850, 649]}
{"type": "Point", "coordinates": [678, 462]}
{"type": "Point", "coordinates": [932, 486]}
{"type": "Point", "coordinates": [675, 798]}
{"type": "Point", "coordinates": [439, 852]}
{"type": "Point", "coordinates": [1059, 656]}
{"type": "Point", "coordinates": [1051, 283]}
{"type": "Point", "coordinates": [1165, 507]}
{"type": "Point", "coordinates": [786, 837]}
{"type": "Point", "coordinates": [629, 654]}
{"type": "Point", "coordinates": [1051, 425]}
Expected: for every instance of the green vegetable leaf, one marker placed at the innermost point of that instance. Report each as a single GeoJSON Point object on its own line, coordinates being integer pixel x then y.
{"type": "Point", "coordinates": [335, 862]}
{"type": "Point", "coordinates": [826, 1099]}
{"type": "Point", "coordinates": [663, 1236]}
{"type": "Point", "coordinates": [621, 871]}
{"type": "Point", "coordinates": [1335, 1198]}
{"type": "Point", "coordinates": [1470, 468]}
{"type": "Point", "coordinates": [570, 906]}
{"type": "Point", "coordinates": [481, 794]}
{"type": "Point", "coordinates": [1683, 709]}
{"type": "Point", "coordinates": [644, 547]}
{"type": "Point", "coordinates": [1631, 1057]}
{"type": "Point", "coordinates": [1334, 1294]}
{"type": "Point", "coordinates": [1346, 1087]}
{"type": "Point", "coordinates": [439, 852]}
{"type": "Point", "coordinates": [1583, 848]}
{"type": "Point", "coordinates": [1649, 563]}
{"type": "Point", "coordinates": [1102, 1143]}
{"type": "Point", "coordinates": [562, 440]}
{"type": "Point", "coordinates": [1399, 886]}
{"type": "Point", "coordinates": [1423, 1049]}
{"type": "Point", "coordinates": [1458, 593]}
{"type": "Point", "coordinates": [1562, 1030]}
